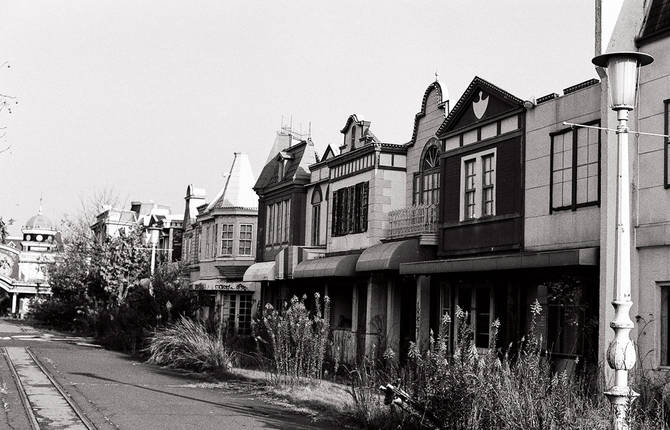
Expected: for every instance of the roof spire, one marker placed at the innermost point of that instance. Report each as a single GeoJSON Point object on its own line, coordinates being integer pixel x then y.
{"type": "Point", "coordinates": [39, 212]}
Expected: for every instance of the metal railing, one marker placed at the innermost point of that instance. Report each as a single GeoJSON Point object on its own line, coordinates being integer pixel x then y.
{"type": "Point", "coordinates": [412, 220]}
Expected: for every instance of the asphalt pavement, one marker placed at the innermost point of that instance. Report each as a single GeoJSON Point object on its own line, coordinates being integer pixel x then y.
{"type": "Point", "coordinates": [116, 392]}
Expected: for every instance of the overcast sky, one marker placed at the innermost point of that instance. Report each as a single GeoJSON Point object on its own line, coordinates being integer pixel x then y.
{"type": "Point", "coordinates": [148, 97]}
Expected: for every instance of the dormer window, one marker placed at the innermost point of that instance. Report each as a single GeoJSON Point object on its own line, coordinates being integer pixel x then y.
{"type": "Point", "coordinates": [280, 171]}
{"type": "Point", "coordinates": [353, 137]}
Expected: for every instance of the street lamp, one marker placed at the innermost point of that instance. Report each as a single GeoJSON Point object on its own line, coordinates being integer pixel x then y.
{"type": "Point", "coordinates": [154, 233]}
{"type": "Point", "coordinates": [622, 68]}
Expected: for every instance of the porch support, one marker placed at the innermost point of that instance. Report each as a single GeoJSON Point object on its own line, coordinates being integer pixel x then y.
{"type": "Point", "coordinates": [14, 299]}
{"type": "Point", "coordinates": [422, 311]}
{"type": "Point", "coordinates": [393, 316]}
{"type": "Point", "coordinates": [375, 318]}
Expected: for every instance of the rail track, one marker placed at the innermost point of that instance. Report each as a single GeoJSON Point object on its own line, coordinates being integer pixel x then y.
{"type": "Point", "coordinates": [46, 403]}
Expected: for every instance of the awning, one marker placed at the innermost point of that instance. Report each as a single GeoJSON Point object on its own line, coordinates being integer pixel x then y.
{"type": "Point", "coordinates": [341, 265]}
{"type": "Point", "coordinates": [388, 256]}
{"type": "Point", "coordinates": [260, 272]}
{"type": "Point", "coordinates": [524, 260]}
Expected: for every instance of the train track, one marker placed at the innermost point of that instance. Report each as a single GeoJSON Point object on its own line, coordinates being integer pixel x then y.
{"type": "Point", "coordinates": [46, 403]}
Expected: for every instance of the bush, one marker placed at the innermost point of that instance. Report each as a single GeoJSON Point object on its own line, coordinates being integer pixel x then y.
{"type": "Point", "coordinates": [187, 345]}
{"type": "Point", "coordinates": [298, 339]}
{"type": "Point", "coordinates": [470, 390]}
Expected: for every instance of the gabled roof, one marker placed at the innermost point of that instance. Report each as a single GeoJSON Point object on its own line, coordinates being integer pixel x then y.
{"type": "Point", "coordinates": [237, 192]}
{"type": "Point", "coordinates": [656, 22]}
{"type": "Point", "coordinates": [352, 118]}
{"type": "Point", "coordinates": [303, 154]}
{"type": "Point", "coordinates": [328, 154]}
{"type": "Point", "coordinates": [435, 86]}
{"type": "Point", "coordinates": [463, 104]}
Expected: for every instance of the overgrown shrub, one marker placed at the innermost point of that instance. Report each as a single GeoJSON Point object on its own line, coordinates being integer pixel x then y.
{"type": "Point", "coordinates": [187, 345]}
{"type": "Point", "coordinates": [297, 339]}
{"type": "Point", "coordinates": [467, 389]}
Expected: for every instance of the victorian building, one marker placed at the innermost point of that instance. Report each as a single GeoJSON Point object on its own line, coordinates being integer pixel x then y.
{"type": "Point", "coordinates": [25, 261]}
{"type": "Point", "coordinates": [220, 244]}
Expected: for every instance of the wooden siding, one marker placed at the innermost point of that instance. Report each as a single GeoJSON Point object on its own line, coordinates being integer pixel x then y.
{"type": "Point", "coordinates": [504, 231]}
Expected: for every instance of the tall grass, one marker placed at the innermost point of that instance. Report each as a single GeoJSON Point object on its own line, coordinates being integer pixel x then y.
{"type": "Point", "coordinates": [298, 339]}
{"type": "Point", "coordinates": [186, 344]}
{"type": "Point", "coordinates": [467, 390]}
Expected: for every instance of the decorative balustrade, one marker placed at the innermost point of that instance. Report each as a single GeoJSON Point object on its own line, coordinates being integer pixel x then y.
{"type": "Point", "coordinates": [412, 221]}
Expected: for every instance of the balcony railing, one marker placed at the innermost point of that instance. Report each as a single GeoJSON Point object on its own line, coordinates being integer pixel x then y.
{"type": "Point", "coordinates": [412, 221]}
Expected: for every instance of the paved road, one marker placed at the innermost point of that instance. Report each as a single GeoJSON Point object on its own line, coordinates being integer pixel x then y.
{"type": "Point", "coordinates": [116, 392]}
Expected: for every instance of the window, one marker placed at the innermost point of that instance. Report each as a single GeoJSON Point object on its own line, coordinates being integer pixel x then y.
{"type": "Point", "coordinates": [426, 187]}
{"type": "Point", "coordinates": [575, 168]}
{"type": "Point", "coordinates": [227, 239]}
{"type": "Point", "coordinates": [666, 146]}
{"type": "Point", "coordinates": [278, 219]}
{"type": "Point", "coordinates": [236, 311]}
{"type": "Point", "coordinates": [487, 185]}
{"type": "Point", "coordinates": [478, 185]}
{"type": "Point", "coordinates": [566, 317]}
{"type": "Point", "coordinates": [665, 324]}
{"type": "Point", "coordinates": [350, 210]}
{"type": "Point", "coordinates": [478, 301]}
{"type": "Point", "coordinates": [353, 137]}
{"type": "Point", "coordinates": [207, 242]}
{"type": "Point", "coordinates": [316, 216]}
{"type": "Point", "coordinates": [215, 236]}
{"type": "Point", "coordinates": [246, 236]}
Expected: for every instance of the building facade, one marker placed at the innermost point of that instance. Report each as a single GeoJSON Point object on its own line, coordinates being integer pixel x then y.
{"type": "Point", "coordinates": [25, 261]}
{"type": "Point", "coordinates": [219, 245]}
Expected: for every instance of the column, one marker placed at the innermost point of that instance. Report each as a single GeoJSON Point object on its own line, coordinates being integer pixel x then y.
{"type": "Point", "coordinates": [375, 316]}
{"type": "Point", "coordinates": [14, 298]}
{"type": "Point", "coordinates": [422, 311]}
{"type": "Point", "coordinates": [393, 315]}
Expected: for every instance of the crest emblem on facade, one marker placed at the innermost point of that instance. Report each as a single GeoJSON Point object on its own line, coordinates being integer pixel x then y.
{"type": "Point", "coordinates": [479, 106]}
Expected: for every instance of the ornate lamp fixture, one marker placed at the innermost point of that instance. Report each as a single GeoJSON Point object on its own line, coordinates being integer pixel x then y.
{"type": "Point", "coordinates": [622, 69]}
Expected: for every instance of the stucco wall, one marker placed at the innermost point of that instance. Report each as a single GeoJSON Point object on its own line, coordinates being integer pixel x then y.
{"type": "Point", "coordinates": [561, 229]}
{"type": "Point", "coordinates": [386, 193]}
{"type": "Point", "coordinates": [651, 203]}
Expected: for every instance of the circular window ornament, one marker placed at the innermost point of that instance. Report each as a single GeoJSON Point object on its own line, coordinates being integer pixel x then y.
{"type": "Point", "coordinates": [29, 237]}
{"type": "Point", "coordinates": [39, 238]}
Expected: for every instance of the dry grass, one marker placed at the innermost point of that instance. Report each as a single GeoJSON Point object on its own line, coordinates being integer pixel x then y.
{"type": "Point", "coordinates": [187, 345]}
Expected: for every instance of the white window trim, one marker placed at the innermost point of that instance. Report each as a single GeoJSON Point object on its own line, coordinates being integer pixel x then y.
{"type": "Point", "coordinates": [479, 177]}
{"type": "Point", "coordinates": [251, 240]}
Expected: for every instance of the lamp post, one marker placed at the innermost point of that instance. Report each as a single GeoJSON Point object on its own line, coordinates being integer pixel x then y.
{"type": "Point", "coordinates": [154, 232]}
{"type": "Point", "coordinates": [622, 68]}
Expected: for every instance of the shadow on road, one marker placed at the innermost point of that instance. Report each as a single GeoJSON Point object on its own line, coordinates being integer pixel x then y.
{"type": "Point", "coordinates": [270, 415]}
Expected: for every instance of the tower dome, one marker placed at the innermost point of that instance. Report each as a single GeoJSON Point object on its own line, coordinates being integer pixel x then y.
{"type": "Point", "coordinates": [39, 222]}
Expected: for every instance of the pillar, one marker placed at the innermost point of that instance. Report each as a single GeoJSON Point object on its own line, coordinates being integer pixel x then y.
{"type": "Point", "coordinates": [14, 298]}
{"type": "Point", "coordinates": [393, 315]}
{"type": "Point", "coordinates": [422, 311]}
{"type": "Point", "coordinates": [375, 316]}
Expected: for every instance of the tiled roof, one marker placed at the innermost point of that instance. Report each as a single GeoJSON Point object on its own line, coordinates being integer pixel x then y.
{"type": "Point", "coordinates": [657, 20]}
{"type": "Point", "coordinates": [303, 154]}
{"type": "Point", "coordinates": [237, 192]}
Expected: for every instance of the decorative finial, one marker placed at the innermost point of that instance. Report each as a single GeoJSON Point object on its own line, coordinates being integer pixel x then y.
{"type": "Point", "coordinates": [436, 75]}
{"type": "Point", "coordinates": [39, 212]}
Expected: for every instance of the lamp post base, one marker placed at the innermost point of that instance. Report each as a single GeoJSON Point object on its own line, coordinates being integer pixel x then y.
{"type": "Point", "coordinates": [621, 398]}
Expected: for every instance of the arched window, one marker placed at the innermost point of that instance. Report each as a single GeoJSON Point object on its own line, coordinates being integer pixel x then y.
{"type": "Point", "coordinates": [427, 180]}
{"type": "Point", "coordinates": [353, 138]}
{"type": "Point", "coordinates": [316, 216]}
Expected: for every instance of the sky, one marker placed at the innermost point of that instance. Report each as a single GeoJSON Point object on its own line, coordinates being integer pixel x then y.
{"type": "Point", "coordinates": [146, 97]}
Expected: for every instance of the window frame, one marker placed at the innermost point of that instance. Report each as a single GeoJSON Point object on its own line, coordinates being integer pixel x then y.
{"type": "Point", "coordinates": [574, 205]}
{"type": "Point", "coordinates": [227, 235]}
{"type": "Point", "coordinates": [242, 240]}
{"type": "Point", "coordinates": [664, 320]}
{"type": "Point", "coordinates": [666, 143]}
{"type": "Point", "coordinates": [316, 201]}
{"type": "Point", "coordinates": [477, 158]}
{"type": "Point", "coordinates": [432, 175]}
{"type": "Point", "coordinates": [350, 209]}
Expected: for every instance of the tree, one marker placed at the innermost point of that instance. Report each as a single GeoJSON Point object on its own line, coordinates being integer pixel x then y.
{"type": "Point", "coordinates": [78, 224]}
